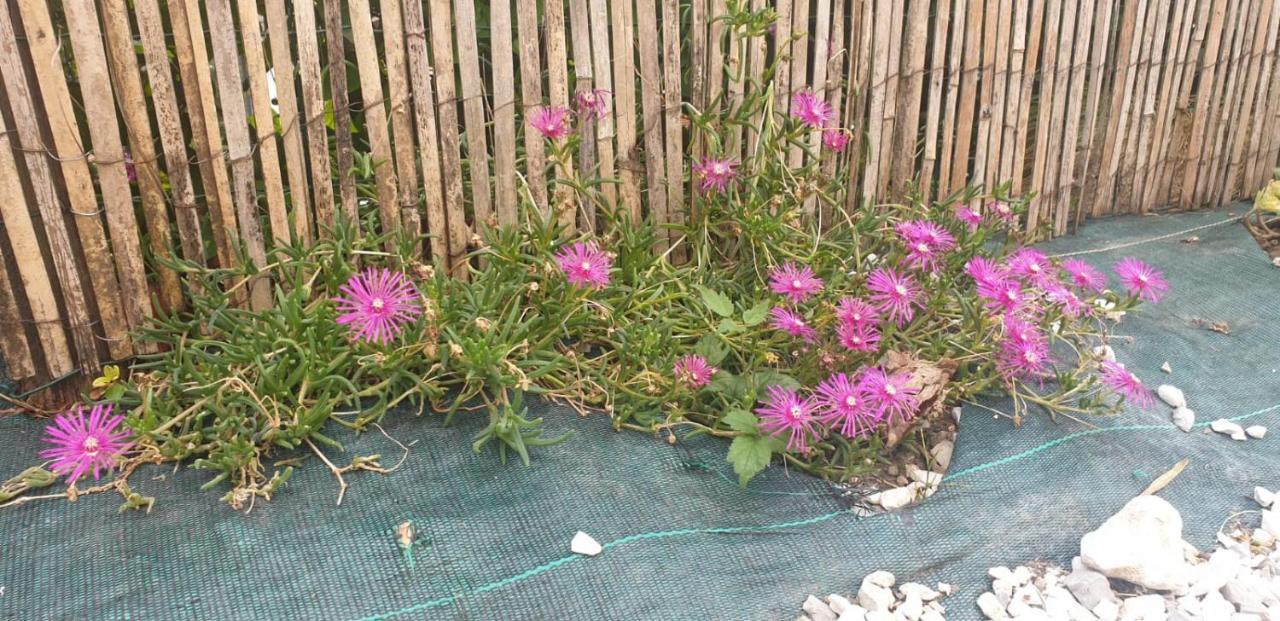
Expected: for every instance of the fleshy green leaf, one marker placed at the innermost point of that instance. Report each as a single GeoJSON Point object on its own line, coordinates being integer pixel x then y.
{"type": "Point", "coordinates": [719, 303]}
{"type": "Point", "coordinates": [711, 348]}
{"type": "Point", "coordinates": [770, 377]}
{"type": "Point", "coordinates": [749, 456]}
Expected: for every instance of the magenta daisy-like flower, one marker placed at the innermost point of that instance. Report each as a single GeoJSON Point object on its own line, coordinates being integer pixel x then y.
{"type": "Point", "coordinates": [895, 295]}
{"type": "Point", "coordinates": [1084, 275]}
{"type": "Point", "coordinates": [1065, 299]}
{"type": "Point", "coordinates": [984, 271]}
{"type": "Point", "coordinates": [1031, 265]}
{"type": "Point", "coordinates": [1004, 296]}
{"type": "Point", "coordinates": [1002, 211]}
{"type": "Point", "coordinates": [1141, 280]}
{"type": "Point", "coordinates": [81, 445]}
{"type": "Point", "coordinates": [835, 140]}
{"type": "Point", "coordinates": [552, 122]}
{"type": "Point", "coordinates": [693, 371]}
{"type": "Point", "coordinates": [1125, 384]}
{"type": "Point", "coordinates": [585, 265]}
{"type": "Point", "coordinates": [715, 175]}
{"type": "Point", "coordinates": [594, 102]}
{"type": "Point", "coordinates": [794, 282]}
{"type": "Point", "coordinates": [1023, 358]}
{"type": "Point", "coordinates": [859, 337]}
{"type": "Point", "coordinates": [786, 412]}
{"type": "Point", "coordinates": [969, 217]}
{"type": "Point", "coordinates": [856, 312]}
{"type": "Point", "coordinates": [841, 407]}
{"type": "Point", "coordinates": [376, 304]}
{"type": "Point", "coordinates": [811, 109]}
{"type": "Point", "coordinates": [925, 242]}
{"type": "Point", "coordinates": [890, 395]}
{"type": "Point", "coordinates": [792, 323]}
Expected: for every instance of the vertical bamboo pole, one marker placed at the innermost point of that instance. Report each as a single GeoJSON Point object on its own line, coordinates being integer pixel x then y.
{"type": "Point", "coordinates": [1059, 148]}
{"type": "Point", "coordinates": [312, 119]}
{"type": "Point", "coordinates": [1044, 113]}
{"type": "Point", "coordinates": [606, 132]}
{"type": "Point", "coordinates": [473, 113]}
{"type": "Point", "coordinates": [1097, 60]}
{"type": "Point", "coordinates": [913, 59]}
{"type": "Point", "coordinates": [1071, 138]}
{"type": "Point", "coordinates": [1142, 158]}
{"type": "Point", "coordinates": [1121, 95]}
{"type": "Point", "coordinates": [955, 56]}
{"type": "Point", "coordinates": [13, 340]}
{"type": "Point", "coordinates": [651, 106]}
{"type": "Point", "coordinates": [968, 94]}
{"type": "Point", "coordinates": [1030, 70]}
{"type": "Point", "coordinates": [264, 120]}
{"type": "Point", "coordinates": [671, 104]}
{"type": "Point", "coordinates": [402, 133]}
{"type": "Point", "coordinates": [504, 114]}
{"type": "Point", "coordinates": [291, 130]}
{"type": "Point", "coordinates": [621, 20]}
{"type": "Point", "coordinates": [566, 206]}
{"type": "Point", "coordinates": [375, 113]}
{"type": "Point", "coordinates": [535, 157]}
{"type": "Point", "coordinates": [424, 112]}
{"type": "Point", "coordinates": [48, 206]}
{"type": "Point", "coordinates": [1013, 94]}
{"type": "Point", "coordinates": [876, 112]}
{"type": "Point", "coordinates": [888, 139]}
{"type": "Point", "coordinates": [336, 55]}
{"type": "Point", "coordinates": [447, 117]}
{"type": "Point", "coordinates": [583, 84]}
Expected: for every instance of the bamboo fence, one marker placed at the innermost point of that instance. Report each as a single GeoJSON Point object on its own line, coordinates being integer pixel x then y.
{"type": "Point", "coordinates": [213, 129]}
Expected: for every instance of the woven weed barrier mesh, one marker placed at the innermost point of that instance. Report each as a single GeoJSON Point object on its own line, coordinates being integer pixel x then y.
{"type": "Point", "coordinates": [682, 540]}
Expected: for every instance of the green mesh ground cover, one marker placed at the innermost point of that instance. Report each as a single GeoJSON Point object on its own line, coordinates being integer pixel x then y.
{"type": "Point", "coordinates": [682, 540]}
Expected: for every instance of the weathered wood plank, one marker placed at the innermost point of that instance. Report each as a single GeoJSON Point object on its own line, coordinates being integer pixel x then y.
{"type": "Point", "coordinates": [313, 115]}
{"type": "Point", "coordinates": [424, 111]}
{"type": "Point", "coordinates": [263, 120]}
{"type": "Point", "coordinates": [402, 134]}
{"type": "Point", "coordinates": [291, 130]}
{"type": "Point", "coordinates": [504, 114]}
{"type": "Point", "coordinates": [473, 114]}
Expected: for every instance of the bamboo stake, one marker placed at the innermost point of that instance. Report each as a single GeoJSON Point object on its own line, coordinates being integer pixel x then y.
{"type": "Point", "coordinates": [531, 97]}
{"type": "Point", "coordinates": [504, 114]}
{"type": "Point", "coordinates": [402, 132]}
{"type": "Point", "coordinates": [335, 50]}
{"type": "Point", "coordinates": [473, 113]}
{"type": "Point", "coordinates": [651, 105]}
{"type": "Point", "coordinates": [447, 118]}
{"type": "Point", "coordinates": [264, 120]}
{"type": "Point", "coordinates": [291, 131]}
{"type": "Point", "coordinates": [313, 117]}
{"type": "Point", "coordinates": [428, 135]}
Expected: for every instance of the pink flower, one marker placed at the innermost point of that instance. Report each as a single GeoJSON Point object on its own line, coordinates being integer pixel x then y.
{"type": "Point", "coordinates": [1020, 331]}
{"type": "Point", "coordinates": [895, 294]}
{"type": "Point", "coordinates": [1125, 384]}
{"type": "Point", "coordinates": [1023, 358]}
{"type": "Point", "coordinates": [1084, 275]}
{"type": "Point", "coordinates": [585, 265]}
{"type": "Point", "coordinates": [794, 282]}
{"type": "Point", "coordinates": [376, 304]}
{"type": "Point", "coordinates": [985, 271]}
{"type": "Point", "coordinates": [1002, 296]}
{"type": "Point", "coordinates": [890, 396]}
{"type": "Point", "coordinates": [1067, 300]}
{"type": "Point", "coordinates": [792, 323]}
{"type": "Point", "coordinates": [856, 312]}
{"type": "Point", "coordinates": [785, 412]}
{"type": "Point", "coordinates": [594, 102]}
{"type": "Point", "coordinates": [693, 371]}
{"type": "Point", "coordinates": [925, 241]}
{"type": "Point", "coordinates": [130, 170]}
{"type": "Point", "coordinates": [811, 109]}
{"type": "Point", "coordinates": [81, 445]}
{"type": "Point", "coordinates": [551, 121]}
{"type": "Point", "coordinates": [836, 140]}
{"type": "Point", "coordinates": [715, 174]}
{"type": "Point", "coordinates": [842, 407]}
{"type": "Point", "coordinates": [1031, 265]}
{"type": "Point", "coordinates": [859, 337]}
{"type": "Point", "coordinates": [1141, 280]}
{"type": "Point", "coordinates": [1002, 211]}
{"type": "Point", "coordinates": [969, 217]}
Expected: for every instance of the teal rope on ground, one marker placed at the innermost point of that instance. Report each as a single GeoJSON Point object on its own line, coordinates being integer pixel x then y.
{"type": "Point", "coordinates": [826, 517]}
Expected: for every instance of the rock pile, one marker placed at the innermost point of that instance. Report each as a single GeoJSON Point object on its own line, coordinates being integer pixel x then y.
{"type": "Point", "coordinates": [878, 600]}
{"type": "Point", "coordinates": [1136, 567]}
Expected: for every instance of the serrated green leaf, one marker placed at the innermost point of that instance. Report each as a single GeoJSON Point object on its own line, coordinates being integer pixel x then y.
{"type": "Point", "coordinates": [719, 303]}
{"type": "Point", "coordinates": [711, 348]}
{"type": "Point", "coordinates": [770, 377]}
{"type": "Point", "coordinates": [755, 315]}
{"type": "Point", "coordinates": [728, 326]}
{"type": "Point", "coordinates": [741, 421]}
{"type": "Point", "coordinates": [728, 384]}
{"type": "Point", "coordinates": [749, 456]}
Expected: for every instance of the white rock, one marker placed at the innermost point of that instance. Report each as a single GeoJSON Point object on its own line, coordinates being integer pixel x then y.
{"type": "Point", "coordinates": [946, 589]}
{"type": "Point", "coordinates": [929, 480]}
{"type": "Point", "coordinates": [1003, 590]}
{"type": "Point", "coordinates": [1089, 587]}
{"type": "Point", "coordinates": [898, 497]}
{"type": "Point", "coordinates": [1143, 608]}
{"type": "Point", "coordinates": [1257, 432]}
{"type": "Point", "coordinates": [1060, 604]}
{"type": "Point", "coordinates": [1000, 573]}
{"type": "Point", "coordinates": [1034, 614]}
{"type": "Point", "coordinates": [1107, 611]}
{"type": "Point", "coordinates": [880, 579]}
{"type": "Point", "coordinates": [880, 615]}
{"type": "Point", "coordinates": [1214, 573]}
{"type": "Point", "coordinates": [1262, 538]}
{"type": "Point", "coordinates": [1025, 599]}
{"type": "Point", "coordinates": [1105, 352]}
{"type": "Point", "coordinates": [838, 603]}
{"type": "Point", "coordinates": [817, 610]}
{"type": "Point", "coordinates": [1227, 427]}
{"type": "Point", "coordinates": [942, 452]}
{"type": "Point", "coordinates": [1271, 522]}
{"type": "Point", "coordinates": [991, 607]}
{"type": "Point", "coordinates": [932, 615]}
{"type": "Point", "coordinates": [915, 589]}
{"type": "Point", "coordinates": [874, 598]}
{"type": "Point", "coordinates": [1021, 575]}
{"type": "Point", "coordinates": [1166, 368]}
{"type": "Point", "coordinates": [1142, 544]}
{"type": "Point", "coordinates": [1171, 395]}
{"type": "Point", "coordinates": [853, 613]}
{"type": "Point", "coordinates": [585, 545]}
{"type": "Point", "coordinates": [1184, 418]}
{"type": "Point", "coordinates": [911, 608]}
{"type": "Point", "coordinates": [1251, 594]}
{"type": "Point", "coordinates": [1263, 496]}
{"type": "Point", "coordinates": [1214, 606]}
